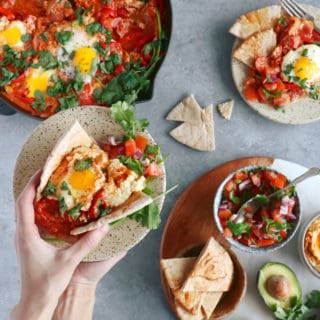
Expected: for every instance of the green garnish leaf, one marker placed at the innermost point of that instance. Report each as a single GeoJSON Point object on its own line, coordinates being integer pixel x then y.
{"type": "Point", "coordinates": [6, 77]}
{"type": "Point", "coordinates": [262, 200]}
{"type": "Point", "coordinates": [44, 36]}
{"type": "Point", "coordinates": [282, 21]}
{"type": "Point", "coordinates": [132, 164]}
{"type": "Point", "coordinates": [26, 37]}
{"type": "Point", "coordinates": [147, 191]}
{"type": "Point", "coordinates": [40, 103]}
{"type": "Point", "coordinates": [47, 60]}
{"type": "Point", "coordinates": [63, 36]}
{"type": "Point", "coordinates": [62, 205]}
{"type": "Point", "coordinates": [104, 211]}
{"type": "Point", "coordinates": [74, 213]}
{"type": "Point", "coordinates": [50, 189]}
{"type": "Point", "coordinates": [67, 102]}
{"type": "Point", "coordinates": [81, 165]}
{"type": "Point", "coordinates": [65, 187]}
{"type": "Point", "coordinates": [233, 198]}
{"type": "Point", "coordinates": [149, 216]}
{"type": "Point", "coordinates": [238, 229]}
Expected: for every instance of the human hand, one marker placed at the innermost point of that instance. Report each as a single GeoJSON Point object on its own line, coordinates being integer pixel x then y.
{"type": "Point", "coordinates": [45, 271]}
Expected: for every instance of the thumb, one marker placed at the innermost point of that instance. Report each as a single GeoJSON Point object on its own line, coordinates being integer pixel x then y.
{"type": "Point", "coordinates": [87, 243]}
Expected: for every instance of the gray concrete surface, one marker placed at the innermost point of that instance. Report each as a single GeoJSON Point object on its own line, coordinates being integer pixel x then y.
{"type": "Point", "coordinates": [197, 62]}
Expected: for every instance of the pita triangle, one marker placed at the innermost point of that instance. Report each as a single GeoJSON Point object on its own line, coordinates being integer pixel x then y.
{"type": "Point", "coordinates": [199, 135]}
{"type": "Point", "coordinates": [226, 109]}
{"type": "Point", "coordinates": [188, 110]}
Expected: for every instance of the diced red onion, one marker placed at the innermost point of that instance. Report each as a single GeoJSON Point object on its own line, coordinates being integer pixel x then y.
{"type": "Point", "coordinates": [256, 180]}
{"type": "Point", "coordinates": [257, 232]}
{"type": "Point", "coordinates": [291, 216]}
{"type": "Point", "coordinates": [243, 185]}
{"type": "Point", "coordinates": [274, 78]}
{"type": "Point", "coordinates": [223, 206]}
{"type": "Point", "coordinates": [284, 209]}
{"type": "Point", "coordinates": [138, 154]}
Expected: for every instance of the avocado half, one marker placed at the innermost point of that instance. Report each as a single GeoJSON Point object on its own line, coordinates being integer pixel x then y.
{"type": "Point", "coordinates": [268, 275]}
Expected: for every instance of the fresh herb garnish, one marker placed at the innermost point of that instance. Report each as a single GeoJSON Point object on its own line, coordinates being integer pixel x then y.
{"type": "Point", "coordinates": [74, 213]}
{"type": "Point", "coordinates": [271, 94]}
{"type": "Point", "coordinates": [276, 225]}
{"type": "Point", "coordinates": [50, 189]}
{"type": "Point", "coordinates": [262, 200]}
{"type": "Point", "coordinates": [124, 114]}
{"type": "Point", "coordinates": [65, 187]}
{"type": "Point", "coordinates": [81, 165]}
{"type": "Point", "coordinates": [63, 36]}
{"type": "Point", "coordinates": [47, 60]}
{"type": "Point", "coordinates": [67, 102]}
{"type": "Point", "coordinates": [148, 216]}
{"type": "Point", "coordinates": [26, 37]}
{"type": "Point", "coordinates": [132, 164]}
{"type": "Point", "coordinates": [282, 21]}
{"type": "Point", "coordinates": [234, 199]}
{"type": "Point", "coordinates": [44, 36]}
{"type": "Point", "coordinates": [62, 205]}
{"type": "Point", "coordinates": [238, 229]}
{"type": "Point", "coordinates": [39, 103]}
{"type": "Point", "coordinates": [6, 76]}
{"type": "Point", "coordinates": [104, 211]}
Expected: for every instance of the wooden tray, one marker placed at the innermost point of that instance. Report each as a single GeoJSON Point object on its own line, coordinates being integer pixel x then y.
{"type": "Point", "coordinates": [191, 223]}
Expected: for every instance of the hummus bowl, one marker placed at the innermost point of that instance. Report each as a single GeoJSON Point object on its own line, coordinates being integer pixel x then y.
{"type": "Point", "coordinates": [309, 245]}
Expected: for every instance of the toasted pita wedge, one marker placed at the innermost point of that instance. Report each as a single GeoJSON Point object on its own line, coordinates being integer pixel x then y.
{"type": "Point", "coordinates": [76, 136]}
{"type": "Point", "coordinates": [185, 315]}
{"type": "Point", "coordinates": [226, 109]}
{"type": "Point", "coordinates": [200, 135]}
{"type": "Point", "coordinates": [256, 21]}
{"type": "Point", "coordinates": [137, 201]}
{"type": "Point", "coordinates": [187, 110]}
{"type": "Point", "coordinates": [210, 302]}
{"type": "Point", "coordinates": [212, 272]}
{"type": "Point", "coordinates": [260, 44]}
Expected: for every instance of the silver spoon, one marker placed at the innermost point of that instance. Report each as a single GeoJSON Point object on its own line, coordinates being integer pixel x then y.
{"type": "Point", "coordinates": [253, 204]}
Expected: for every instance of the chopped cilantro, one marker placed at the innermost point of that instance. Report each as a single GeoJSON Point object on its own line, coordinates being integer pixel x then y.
{"type": "Point", "coordinates": [50, 189]}
{"type": "Point", "coordinates": [6, 76]}
{"type": "Point", "coordinates": [62, 205]}
{"type": "Point", "coordinates": [39, 103]}
{"type": "Point", "coordinates": [74, 213]}
{"type": "Point", "coordinates": [282, 21]}
{"type": "Point", "coordinates": [47, 60]}
{"type": "Point", "coordinates": [81, 165]}
{"type": "Point", "coordinates": [104, 211]}
{"type": "Point", "coordinates": [63, 36]}
{"type": "Point", "coordinates": [262, 200]}
{"type": "Point", "coordinates": [65, 187]}
{"type": "Point", "coordinates": [238, 229]}
{"type": "Point", "coordinates": [67, 102]}
{"type": "Point", "coordinates": [149, 216]}
{"type": "Point", "coordinates": [44, 36]}
{"type": "Point", "coordinates": [26, 37]}
{"type": "Point", "coordinates": [305, 52]}
{"type": "Point", "coordinates": [234, 199]}
{"type": "Point", "coordinates": [147, 191]}
{"type": "Point", "coordinates": [271, 94]}
{"type": "Point", "coordinates": [276, 225]}
{"type": "Point", "coordinates": [132, 164]}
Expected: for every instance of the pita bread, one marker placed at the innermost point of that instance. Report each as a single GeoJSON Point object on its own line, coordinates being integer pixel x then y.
{"type": "Point", "coordinates": [185, 315]}
{"type": "Point", "coordinates": [260, 44]}
{"type": "Point", "coordinates": [210, 302]}
{"type": "Point", "coordinates": [226, 109]}
{"type": "Point", "coordinates": [137, 201]}
{"type": "Point", "coordinates": [188, 110]}
{"type": "Point", "coordinates": [199, 136]}
{"type": "Point", "coordinates": [76, 136]}
{"type": "Point", "coordinates": [256, 21]}
{"type": "Point", "coordinates": [212, 272]}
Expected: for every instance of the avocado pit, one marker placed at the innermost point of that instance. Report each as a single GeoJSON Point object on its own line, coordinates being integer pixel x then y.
{"type": "Point", "coordinates": [278, 286]}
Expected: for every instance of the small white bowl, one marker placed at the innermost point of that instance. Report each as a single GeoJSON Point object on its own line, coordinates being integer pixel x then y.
{"type": "Point", "coordinates": [302, 253]}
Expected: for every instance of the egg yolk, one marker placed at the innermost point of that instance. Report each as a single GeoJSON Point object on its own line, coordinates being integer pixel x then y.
{"type": "Point", "coordinates": [305, 68]}
{"type": "Point", "coordinates": [82, 180]}
{"type": "Point", "coordinates": [37, 80]}
{"type": "Point", "coordinates": [83, 59]}
{"type": "Point", "coordinates": [11, 35]}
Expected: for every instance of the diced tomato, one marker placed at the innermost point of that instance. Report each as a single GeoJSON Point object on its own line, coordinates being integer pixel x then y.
{"type": "Point", "coordinates": [119, 69]}
{"type": "Point", "coordinates": [281, 101]}
{"type": "Point", "coordinates": [153, 170]}
{"type": "Point", "coordinates": [109, 12]}
{"type": "Point", "coordinates": [292, 86]}
{"type": "Point", "coordinates": [279, 182]}
{"type": "Point", "coordinates": [123, 13]}
{"type": "Point", "coordinates": [86, 97]}
{"type": "Point", "coordinates": [114, 151]}
{"type": "Point", "coordinates": [316, 35]}
{"type": "Point", "coordinates": [230, 186]}
{"type": "Point", "coordinates": [264, 213]}
{"type": "Point", "coordinates": [8, 13]}
{"type": "Point", "coordinates": [262, 96]}
{"type": "Point", "coordinates": [270, 86]}
{"type": "Point", "coordinates": [227, 233]}
{"type": "Point", "coordinates": [141, 142]}
{"type": "Point", "coordinates": [225, 214]}
{"type": "Point", "coordinates": [136, 41]}
{"type": "Point", "coordinates": [251, 92]}
{"type": "Point", "coordinates": [244, 241]}
{"type": "Point", "coordinates": [283, 233]}
{"type": "Point", "coordinates": [265, 242]}
{"type": "Point", "coordinates": [270, 175]}
{"type": "Point", "coordinates": [241, 175]}
{"type": "Point", "coordinates": [130, 147]}
{"type": "Point", "coordinates": [306, 33]}
{"type": "Point", "coordinates": [261, 64]}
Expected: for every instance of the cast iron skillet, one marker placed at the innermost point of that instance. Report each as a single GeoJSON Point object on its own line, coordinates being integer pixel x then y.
{"type": "Point", "coordinates": [7, 107]}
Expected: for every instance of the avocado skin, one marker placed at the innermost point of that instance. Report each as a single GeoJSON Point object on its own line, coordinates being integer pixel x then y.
{"type": "Point", "coordinates": [272, 269]}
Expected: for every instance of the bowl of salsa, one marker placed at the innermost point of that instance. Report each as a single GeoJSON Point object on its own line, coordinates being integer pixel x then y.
{"type": "Point", "coordinates": [274, 223]}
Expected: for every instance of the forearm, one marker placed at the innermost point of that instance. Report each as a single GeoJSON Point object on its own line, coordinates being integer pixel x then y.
{"type": "Point", "coordinates": [76, 303]}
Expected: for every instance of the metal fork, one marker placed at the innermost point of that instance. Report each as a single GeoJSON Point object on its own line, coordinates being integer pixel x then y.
{"type": "Point", "coordinates": [293, 8]}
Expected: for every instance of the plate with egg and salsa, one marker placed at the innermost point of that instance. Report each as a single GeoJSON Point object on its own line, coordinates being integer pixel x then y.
{"type": "Point", "coordinates": [276, 64]}
{"type": "Point", "coordinates": [94, 172]}
{"type": "Point", "coordinates": [55, 55]}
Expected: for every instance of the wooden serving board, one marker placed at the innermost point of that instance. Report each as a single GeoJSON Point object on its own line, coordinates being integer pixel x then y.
{"type": "Point", "coordinates": [191, 223]}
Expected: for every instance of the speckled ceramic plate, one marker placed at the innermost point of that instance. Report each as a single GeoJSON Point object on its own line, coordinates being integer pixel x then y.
{"type": "Point", "coordinates": [303, 111]}
{"type": "Point", "coordinates": [98, 123]}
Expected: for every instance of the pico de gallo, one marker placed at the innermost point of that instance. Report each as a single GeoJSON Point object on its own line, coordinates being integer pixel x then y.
{"type": "Point", "coordinates": [277, 82]}
{"type": "Point", "coordinates": [274, 219]}
{"type": "Point", "coordinates": [59, 54]}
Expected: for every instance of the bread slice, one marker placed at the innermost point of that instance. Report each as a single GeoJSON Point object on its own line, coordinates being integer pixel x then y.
{"type": "Point", "coordinates": [187, 110]}
{"type": "Point", "coordinates": [256, 21]}
{"type": "Point", "coordinates": [226, 109]}
{"type": "Point", "coordinates": [200, 135]}
{"type": "Point", "coordinates": [260, 44]}
{"type": "Point", "coordinates": [212, 272]}
{"type": "Point", "coordinates": [210, 302]}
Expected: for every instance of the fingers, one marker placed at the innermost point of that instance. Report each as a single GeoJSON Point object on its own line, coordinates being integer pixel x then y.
{"type": "Point", "coordinates": [87, 243]}
{"type": "Point", "coordinates": [24, 210]}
